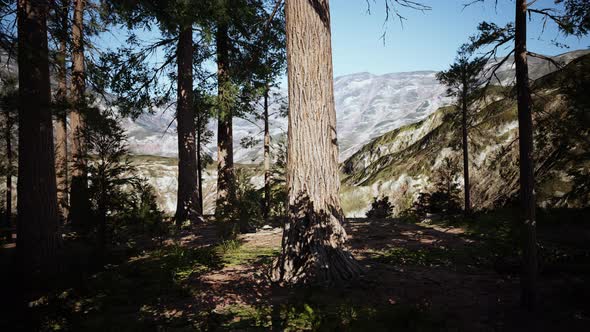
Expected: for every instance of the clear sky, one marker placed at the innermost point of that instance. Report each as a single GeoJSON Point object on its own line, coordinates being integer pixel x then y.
{"type": "Point", "coordinates": [427, 41]}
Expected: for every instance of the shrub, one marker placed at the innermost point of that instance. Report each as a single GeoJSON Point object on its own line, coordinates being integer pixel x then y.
{"type": "Point", "coordinates": [380, 208]}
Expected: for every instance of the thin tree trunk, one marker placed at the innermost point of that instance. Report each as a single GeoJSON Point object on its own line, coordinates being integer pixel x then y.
{"type": "Point", "coordinates": [38, 220]}
{"type": "Point", "coordinates": [61, 128]}
{"type": "Point", "coordinates": [79, 197]}
{"type": "Point", "coordinates": [188, 194]}
{"type": "Point", "coordinates": [225, 154]}
{"type": "Point", "coordinates": [199, 161]}
{"type": "Point", "coordinates": [525, 132]}
{"type": "Point", "coordinates": [313, 245]}
{"type": "Point", "coordinates": [266, 156]}
{"type": "Point", "coordinates": [467, 186]}
{"type": "Point", "coordinates": [9, 171]}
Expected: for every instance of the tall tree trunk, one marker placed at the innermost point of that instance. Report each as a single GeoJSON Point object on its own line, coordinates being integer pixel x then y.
{"type": "Point", "coordinates": [61, 126]}
{"type": "Point", "coordinates": [199, 161]}
{"type": "Point", "coordinates": [225, 154]}
{"type": "Point", "coordinates": [525, 132]}
{"type": "Point", "coordinates": [9, 169]}
{"type": "Point", "coordinates": [38, 220]}
{"type": "Point", "coordinates": [313, 246]}
{"type": "Point", "coordinates": [467, 186]}
{"type": "Point", "coordinates": [187, 207]}
{"type": "Point", "coordinates": [266, 156]}
{"type": "Point", "coordinates": [79, 197]}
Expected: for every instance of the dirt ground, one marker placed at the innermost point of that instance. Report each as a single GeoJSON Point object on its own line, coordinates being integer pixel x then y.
{"type": "Point", "coordinates": [416, 277]}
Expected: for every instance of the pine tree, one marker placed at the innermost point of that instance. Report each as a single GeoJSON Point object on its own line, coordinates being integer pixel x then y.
{"type": "Point", "coordinates": [571, 19]}
{"type": "Point", "coordinates": [38, 220]}
{"type": "Point", "coordinates": [61, 96]}
{"type": "Point", "coordinates": [80, 204]}
{"type": "Point", "coordinates": [313, 246]}
{"type": "Point", "coordinates": [462, 80]}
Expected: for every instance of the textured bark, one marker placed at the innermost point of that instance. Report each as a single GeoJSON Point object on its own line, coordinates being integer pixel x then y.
{"type": "Point", "coordinates": [38, 220]}
{"type": "Point", "coordinates": [467, 184]}
{"type": "Point", "coordinates": [313, 245]}
{"type": "Point", "coordinates": [61, 125]}
{"type": "Point", "coordinates": [266, 157]}
{"type": "Point", "coordinates": [525, 133]}
{"type": "Point", "coordinates": [187, 207]}
{"type": "Point", "coordinates": [9, 168]}
{"type": "Point", "coordinates": [225, 154]}
{"type": "Point", "coordinates": [79, 197]}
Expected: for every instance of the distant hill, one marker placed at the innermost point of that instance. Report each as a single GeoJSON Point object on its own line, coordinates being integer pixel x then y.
{"type": "Point", "coordinates": [402, 162]}
{"type": "Point", "coordinates": [367, 106]}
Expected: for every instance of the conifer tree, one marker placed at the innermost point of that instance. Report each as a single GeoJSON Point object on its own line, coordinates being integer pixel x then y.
{"type": "Point", "coordinates": [38, 221]}
{"type": "Point", "coordinates": [463, 78]}
{"type": "Point", "coordinates": [313, 246]}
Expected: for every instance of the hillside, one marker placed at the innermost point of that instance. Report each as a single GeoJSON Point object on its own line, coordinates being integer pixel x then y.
{"type": "Point", "coordinates": [367, 107]}
{"type": "Point", "coordinates": [403, 162]}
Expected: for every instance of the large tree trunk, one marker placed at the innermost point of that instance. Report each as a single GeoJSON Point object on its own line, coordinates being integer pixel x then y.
{"type": "Point", "coordinates": [525, 132]}
{"type": "Point", "coordinates": [79, 197]}
{"type": "Point", "coordinates": [9, 168]}
{"type": "Point", "coordinates": [313, 246]}
{"type": "Point", "coordinates": [38, 221]}
{"type": "Point", "coordinates": [225, 154]}
{"type": "Point", "coordinates": [61, 126]}
{"type": "Point", "coordinates": [467, 186]}
{"type": "Point", "coordinates": [187, 207]}
{"type": "Point", "coordinates": [266, 211]}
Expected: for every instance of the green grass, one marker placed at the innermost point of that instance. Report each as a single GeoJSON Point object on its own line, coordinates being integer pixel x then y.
{"type": "Point", "coordinates": [233, 253]}
{"type": "Point", "coordinates": [326, 310]}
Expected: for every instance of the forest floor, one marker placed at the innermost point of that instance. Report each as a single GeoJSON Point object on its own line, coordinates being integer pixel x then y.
{"type": "Point", "coordinates": [436, 276]}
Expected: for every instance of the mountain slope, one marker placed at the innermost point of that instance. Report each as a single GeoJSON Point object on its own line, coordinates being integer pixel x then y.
{"type": "Point", "coordinates": [367, 106]}
{"type": "Point", "coordinates": [403, 162]}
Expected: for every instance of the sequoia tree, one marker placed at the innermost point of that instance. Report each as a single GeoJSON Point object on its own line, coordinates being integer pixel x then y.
{"type": "Point", "coordinates": [313, 245]}
{"type": "Point", "coordinates": [38, 220]}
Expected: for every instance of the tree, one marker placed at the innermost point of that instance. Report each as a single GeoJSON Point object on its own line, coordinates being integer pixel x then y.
{"type": "Point", "coordinates": [175, 20]}
{"type": "Point", "coordinates": [9, 106]}
{"type": "Point", "coordinates": [313, 245]}
{"type": "Point", "coordinates": [110, 170]}
{"type": "Point", "coordinates": [226, 190]}
{"type": "Point", "coordinates": [571, 19]}
{"type": "Point", "coordinates": [462, 80]}
{"type": "Point", "coordinates": [38, 220]}
{"type": "Point", "coordinates": [188, 206]}
{"type": "Point", "coordinates": [61, 96]}
{"type": "Point", "coordinates": [203, 105]}
{"type": "Point", "coordinates": [80, 204]}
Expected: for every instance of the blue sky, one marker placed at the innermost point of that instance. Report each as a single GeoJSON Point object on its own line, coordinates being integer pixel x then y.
{"type": "Point", "coordinates": [427, 41]}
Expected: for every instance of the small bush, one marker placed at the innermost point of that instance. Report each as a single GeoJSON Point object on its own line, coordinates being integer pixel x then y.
{"type": "Point", "coordinates": [381, 208]}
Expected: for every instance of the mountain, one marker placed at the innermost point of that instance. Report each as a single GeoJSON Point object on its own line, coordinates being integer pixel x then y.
{"type": "Point", "coordinates": [367, 106]}
{"type": "Point", "coordinates": [404, 162]}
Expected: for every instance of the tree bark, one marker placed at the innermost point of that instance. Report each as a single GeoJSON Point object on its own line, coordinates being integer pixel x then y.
{"type": "Point", "coordinates": [79, 196]}
{"type": "Point", "coordinates": [199, 161]}
{"type": "Point", "coordinates": [467, 185]}
{"type": "Point", "coordinates": [313, 245]}
{"type": "Point", "coordinates": [525, 132]}
{"type": "Point", "coordinates": [61, 126]}
{"type": "Point", "coordinates": [267, 206]}
{"type": "Point", "coordinates": [187, 207]}
{"type": "Point", "coordinates": [38, 221]}
{"type": "Point", "coordinates": [225, 155]}
{"type": "Point", "coordinates": [9, 169]}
